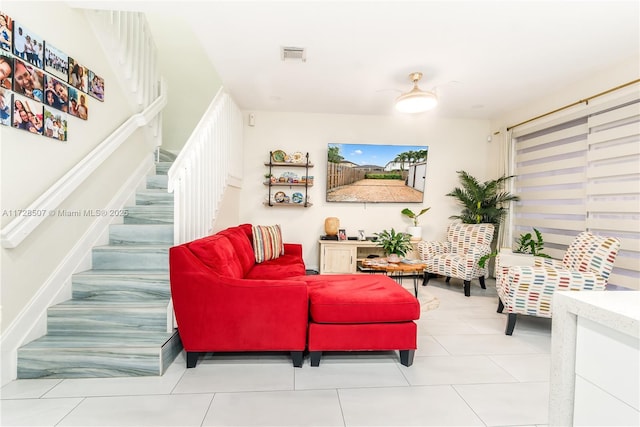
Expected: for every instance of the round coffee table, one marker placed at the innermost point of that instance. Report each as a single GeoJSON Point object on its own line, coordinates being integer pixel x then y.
{"type": "Point", "coordinates": [395, 270]}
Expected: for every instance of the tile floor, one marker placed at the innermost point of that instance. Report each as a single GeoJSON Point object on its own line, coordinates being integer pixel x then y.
{"type": "Point", "coordinates": [466, 373]}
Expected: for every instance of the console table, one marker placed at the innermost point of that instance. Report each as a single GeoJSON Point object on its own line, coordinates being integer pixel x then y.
{"type": "Point", "coordinates": [343, 256]}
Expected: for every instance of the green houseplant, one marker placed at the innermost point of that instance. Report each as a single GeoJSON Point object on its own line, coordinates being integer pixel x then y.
{"type": "Point", "coordinates": [414, 217]}
{"type": "Point", "coordinates": [415, 230]}
{"type": "Point", "coordinates": [482, 202]}
{"type": "Point", "coordinates": [525, 244]}
{"type": "Point", "coordinates": [394, 243]}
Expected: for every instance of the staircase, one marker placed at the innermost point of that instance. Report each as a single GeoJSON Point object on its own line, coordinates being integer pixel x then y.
{"type": "Point", "coordinates": [116, 322]}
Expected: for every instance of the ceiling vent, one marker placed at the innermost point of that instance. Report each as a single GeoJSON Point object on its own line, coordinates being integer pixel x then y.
{"type": "Point", "coordinates": [288, 53]}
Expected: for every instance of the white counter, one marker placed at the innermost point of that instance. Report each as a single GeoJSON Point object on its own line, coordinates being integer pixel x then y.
{"type": "Point", "coordinates": [595, 359]}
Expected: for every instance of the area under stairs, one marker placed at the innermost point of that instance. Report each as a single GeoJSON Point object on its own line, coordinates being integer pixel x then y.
{"type": "Point", "coordinates": [116, 322]}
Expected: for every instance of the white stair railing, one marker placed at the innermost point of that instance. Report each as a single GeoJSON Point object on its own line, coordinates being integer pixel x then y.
{"type": "Point", "coordinates": [200, 173]}
{"type": "Point", "coordinates": [127, 39]}
{"type": "Point", "coordinates": [126, 35]}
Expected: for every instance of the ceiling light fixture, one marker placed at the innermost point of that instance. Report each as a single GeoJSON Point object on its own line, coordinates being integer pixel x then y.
{"type": "Point", "coordinates": [416, 100]}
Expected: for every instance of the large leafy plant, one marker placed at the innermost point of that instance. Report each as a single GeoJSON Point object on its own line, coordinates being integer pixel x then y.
{"type": "Point", "coordinates": [394, 243]}
{"type": "Point", "coordinates": [482, 202]}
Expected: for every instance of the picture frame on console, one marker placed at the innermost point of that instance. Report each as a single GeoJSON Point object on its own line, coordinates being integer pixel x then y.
{"type": "Point", "coordinates": [342, 234]}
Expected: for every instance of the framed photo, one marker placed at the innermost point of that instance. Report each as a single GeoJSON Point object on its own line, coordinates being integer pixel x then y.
{"type": "Point", "coordinates": [6, 32]}
{"type": "Point", "coordinates": [55, 124]}
{"type": "Point", "coordinates": [6, 100]}
{"type": "Point", "coordinates": [56, 93]}
{"type": "Point", "coordinates": [78, 104]}
{"type": "Point", "coordinates": [78, 77]}
{"type": "Point", "coordinates": [56, 62]}
{"type": "Point", "coordinates": [27, 114]}
{"type": "Point", "coordinates": [28, 46]}
{"type": "Point", "coordinates": [28, 80]}
{"type": "Point", "coordinates": [96, 86]}
{"type": "Point", "coordinates": [361, 235]}
{"type": "Point", "coordinates": [6, 72]}
{"type": "Point", "coordinates": [342, 234]}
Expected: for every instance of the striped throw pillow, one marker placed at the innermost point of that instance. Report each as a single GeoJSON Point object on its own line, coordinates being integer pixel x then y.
{"type": "Point", "coordinates": [267, 242]}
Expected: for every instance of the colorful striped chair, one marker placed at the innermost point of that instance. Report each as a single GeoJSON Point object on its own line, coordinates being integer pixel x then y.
{"type": "Point", "coordinates": [529, 290]}
{"type": "Point", "coordinates": [458, 257]}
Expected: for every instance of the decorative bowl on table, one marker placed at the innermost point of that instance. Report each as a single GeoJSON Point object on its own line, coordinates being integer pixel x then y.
{"type": "Point", "coordinates": [394, 258]}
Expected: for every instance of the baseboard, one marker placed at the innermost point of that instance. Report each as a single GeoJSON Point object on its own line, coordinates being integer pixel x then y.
{"type": "Point", "coordinates": [31, 321]}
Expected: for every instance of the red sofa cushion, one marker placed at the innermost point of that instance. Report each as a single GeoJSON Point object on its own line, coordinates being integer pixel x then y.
{"type": "Point", "coordinates": [219, 254]}
{"type": "Point", "coordinates": [287, 265]}
{"type": "Point", "coordinates": [242, 245]}
{"type": "Point", "coordinates": [359, 299]}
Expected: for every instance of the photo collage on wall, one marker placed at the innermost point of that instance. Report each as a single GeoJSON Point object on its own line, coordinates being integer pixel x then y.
{"type": "Point", "coordinates": [40, 85]}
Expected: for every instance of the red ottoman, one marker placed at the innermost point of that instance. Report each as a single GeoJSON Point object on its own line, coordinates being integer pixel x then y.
{"type": "Point", "coordinates": [361, 312]}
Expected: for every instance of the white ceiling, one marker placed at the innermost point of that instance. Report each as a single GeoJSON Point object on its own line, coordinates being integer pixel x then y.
{"type": "Point", "coordinates": [481, 57]}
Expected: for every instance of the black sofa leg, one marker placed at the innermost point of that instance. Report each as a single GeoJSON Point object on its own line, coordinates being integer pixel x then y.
{"type": "Point", "coordinates": [315, 357]}
{"type": "Point", "coordinates": [296, 356]}
{"type": "Point", "coordinates": [482, 285]}
{"type": "Point", "coordinates": [406, 357]}
{"type": "Point", "coordinates": [511, 323]}
{"type": "Point", "coordinates": [192, 359]}
{"type": "Point", "coordinates": [500, 306]}
{"type": "Point", "coordinates": [467, 288]}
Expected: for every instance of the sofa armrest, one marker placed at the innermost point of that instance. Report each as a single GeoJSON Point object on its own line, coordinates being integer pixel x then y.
{"type": "Point", "coordinates": [428, 249]}
{"type": "Point", "coordinates": [547, 262]}
{"type": "Point", "coordinates": [293, 249]}
{"type": "Point", "coordinates": [544, 280]}
{"type": "Point", "coordinates": [530, 289]}
{"type": "Point", "coordinates": [478, 251]}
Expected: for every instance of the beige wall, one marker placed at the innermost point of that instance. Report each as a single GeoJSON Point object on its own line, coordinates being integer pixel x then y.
{"type": "Point", "coordinates": [31, 164]}
{"type": "Point", "coordinates": [192, 80]}
{"type": "Point", "coordinates": [453, 145]}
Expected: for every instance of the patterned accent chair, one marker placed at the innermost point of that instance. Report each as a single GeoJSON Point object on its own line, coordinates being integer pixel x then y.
{"type": "Point", "coordinates": [529, 290]}
{"type": "Point", "coordinates": [458, 257]}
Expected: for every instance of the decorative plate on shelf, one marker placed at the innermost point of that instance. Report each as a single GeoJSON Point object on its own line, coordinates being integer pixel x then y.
{"type": "Point", "coordinates": [287, 158]}
{"type": "Point", "coordinates": [279, 196]}
{"type": "Point", "coordinates": [297, 197]}
{"type": "Point", "coordinates": [297, 157]}
{"type": "Point", "coordinates": [278, 156]}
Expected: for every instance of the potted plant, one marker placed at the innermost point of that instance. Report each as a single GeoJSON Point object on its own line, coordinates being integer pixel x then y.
{"type": "Point", "coordinates": [482, 202]}
{"type": "Point", "coordinates": [395, 245]}
{"type": "Point", "coordinates": [416, 230]}
{"type": "Point", "coordinates": [525, 244]}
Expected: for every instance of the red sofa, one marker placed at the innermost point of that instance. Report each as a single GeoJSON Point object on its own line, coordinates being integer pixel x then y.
{"type": "Point", "coordinates": [224, 301]}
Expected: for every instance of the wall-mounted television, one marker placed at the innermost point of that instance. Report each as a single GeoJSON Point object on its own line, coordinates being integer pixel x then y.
{"type": "Point", "coordinates": [371, 173]}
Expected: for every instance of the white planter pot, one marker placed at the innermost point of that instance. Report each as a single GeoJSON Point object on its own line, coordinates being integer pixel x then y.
{"type": "Point", "coordinates": [507, 258]}
{"type": "Point", "coordinates": [416, 233]}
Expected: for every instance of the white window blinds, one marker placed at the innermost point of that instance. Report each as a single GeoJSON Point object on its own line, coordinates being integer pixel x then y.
{"type": "Point", "coordinates": [580, 170]}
